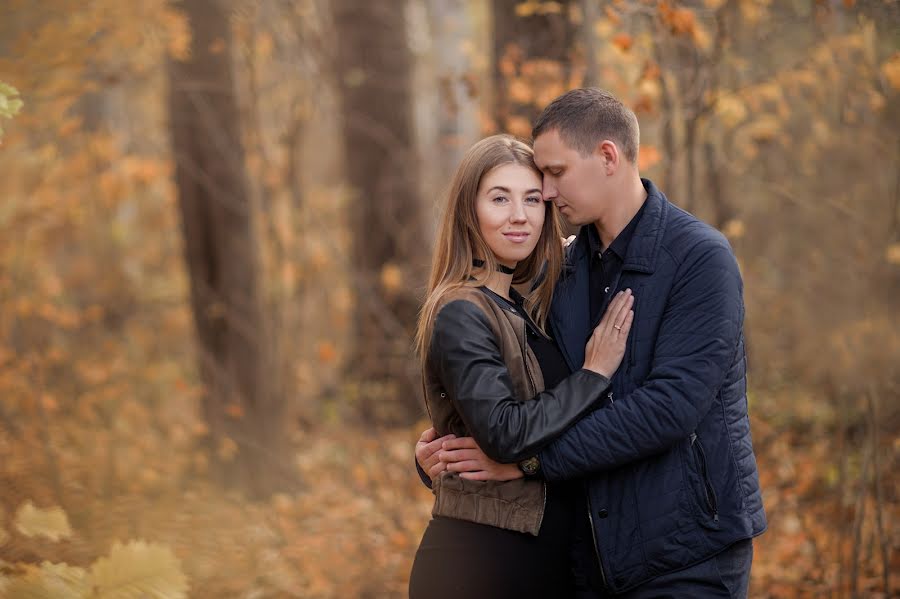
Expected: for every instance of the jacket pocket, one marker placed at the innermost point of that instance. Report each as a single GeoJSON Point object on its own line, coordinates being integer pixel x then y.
{"type": "Point", "coordinates": [709, 492]}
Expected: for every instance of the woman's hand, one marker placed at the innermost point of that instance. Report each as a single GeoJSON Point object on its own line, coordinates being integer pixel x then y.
{"type": "Point", "coordinates": [606, 347]}
{"type": "Point", "coordinates": [464, 456]}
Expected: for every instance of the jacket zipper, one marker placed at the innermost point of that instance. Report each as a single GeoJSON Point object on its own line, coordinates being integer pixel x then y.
{"type": "Point", "coordinates": [711, 499]}
{"type": "Point", "coordinates": [594, 538]}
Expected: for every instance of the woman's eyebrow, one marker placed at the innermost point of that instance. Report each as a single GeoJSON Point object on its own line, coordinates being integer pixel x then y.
{"type": "Point", "coordinates": [507, 190]}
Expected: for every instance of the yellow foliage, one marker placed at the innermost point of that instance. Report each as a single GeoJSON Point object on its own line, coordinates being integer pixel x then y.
{"type": "Point", "coordinates": [731, 110]}
{"type": "Point", "coordinates": [51, 523]}
{"type": "Point", "coordinates": [49, 580]}
{"type": "Point", "coordinates": [892, 254]}
{"type": "Point", "coordinates": [137, 570]}
{"type": "Point", "coordinates": [534, 7]}
{"type": "Point", "coordinates": [890, 70]}
{"type": "Point", "coordinates": [391, 278]}
{"type": "Point", "coordinates": [734, 229]}
{"type": "Point", "coordinates": [227, 449]}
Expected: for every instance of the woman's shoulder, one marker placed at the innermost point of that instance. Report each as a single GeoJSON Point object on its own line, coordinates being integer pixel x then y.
{"type": "Point", "coordinates": [465, 307]}
{"type": "Point", "coordinates": [467, 293]}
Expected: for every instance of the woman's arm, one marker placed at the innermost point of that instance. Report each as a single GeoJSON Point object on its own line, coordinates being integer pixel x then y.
{"type": "Point", "coordinates": [468, 362]}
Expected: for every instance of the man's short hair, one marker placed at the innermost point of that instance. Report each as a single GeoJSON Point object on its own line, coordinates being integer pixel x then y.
{"type": "Point", "coordinates": [585, 117]}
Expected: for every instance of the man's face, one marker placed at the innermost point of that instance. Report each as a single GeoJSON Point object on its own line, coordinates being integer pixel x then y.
{"type": "Point", "coordinates": [577, 184]}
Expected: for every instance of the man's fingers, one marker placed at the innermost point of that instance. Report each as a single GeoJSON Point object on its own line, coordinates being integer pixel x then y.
{"type": "Point", "coordinates": [460, 443]}
{"type": "Point", "coordinates": [458, 455]}
{"type": "Point", "coordinates": [436, 469]}
{"type": "Point", "coordinates": [464, 466]}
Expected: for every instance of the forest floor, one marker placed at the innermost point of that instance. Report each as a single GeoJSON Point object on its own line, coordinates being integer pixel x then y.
{"type": "Point", "coordinates": [353, 527]}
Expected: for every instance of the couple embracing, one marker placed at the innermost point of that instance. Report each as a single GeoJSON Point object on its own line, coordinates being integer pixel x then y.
{"type": "Point", "coordinates": [591, 438]}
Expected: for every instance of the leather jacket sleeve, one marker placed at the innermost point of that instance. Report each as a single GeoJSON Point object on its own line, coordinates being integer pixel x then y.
{"type": "Point", "coordinates": [467, 359]}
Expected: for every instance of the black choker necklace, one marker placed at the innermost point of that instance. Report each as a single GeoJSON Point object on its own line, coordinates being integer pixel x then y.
{"type": "Point", "coordinates": [500, 267]}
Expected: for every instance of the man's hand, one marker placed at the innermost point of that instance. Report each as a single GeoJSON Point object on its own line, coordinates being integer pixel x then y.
{"type": "Point", "coordinates": [464, 456]}
{"type": "Point", "coordinates": [427, 449]}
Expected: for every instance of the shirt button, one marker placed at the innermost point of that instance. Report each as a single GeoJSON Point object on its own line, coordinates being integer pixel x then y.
{"type": "Point", "coordinates": [606, 290]}
{"type": "Point", "coordinates": [603, 513]}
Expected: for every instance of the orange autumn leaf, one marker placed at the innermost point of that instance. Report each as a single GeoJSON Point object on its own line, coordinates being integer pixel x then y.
{"type": "Point", "coordinates": [623, 41]}
{"type": "Point", "coordinates": [326, 352]}
{"type": "Point", "coordinates": [648, 157]}
{"type": "Point", "coordinates": [235, 410]}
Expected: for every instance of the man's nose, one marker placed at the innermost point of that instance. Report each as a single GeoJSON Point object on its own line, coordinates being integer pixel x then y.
{"type": "Point", "coordinates": [549, 190]}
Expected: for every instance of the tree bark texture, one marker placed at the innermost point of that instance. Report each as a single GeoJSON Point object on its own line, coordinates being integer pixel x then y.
{"type": "Point", "coordinates": [534, 62]}
{"type": "Point", "coordinates": [374, 70]}
{"type": "Point", "coordinates": [243, 414]}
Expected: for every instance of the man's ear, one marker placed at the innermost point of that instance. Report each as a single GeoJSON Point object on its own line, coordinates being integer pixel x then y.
{"type": "Point", "coordinates": [609, 153]}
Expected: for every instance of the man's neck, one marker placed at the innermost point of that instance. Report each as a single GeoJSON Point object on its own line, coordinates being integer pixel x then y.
{"type": "Point", "coordinates": [620, 211]}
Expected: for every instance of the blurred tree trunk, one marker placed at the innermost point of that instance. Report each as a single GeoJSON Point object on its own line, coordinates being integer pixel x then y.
{"type": "Point", "coordinates": [244, 416]}
{"type": "Point", "coordinates": [374, 69]}
{"type": "Point", "coordinates": [457, 90]}
{"type": "Point", "coordinates": [536, 50]}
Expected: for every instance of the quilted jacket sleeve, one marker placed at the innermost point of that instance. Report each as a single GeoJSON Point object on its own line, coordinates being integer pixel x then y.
{"type": "Point", "coordinates": [468, 362]}
{"type": "Point", "coordinates": [696, 344]}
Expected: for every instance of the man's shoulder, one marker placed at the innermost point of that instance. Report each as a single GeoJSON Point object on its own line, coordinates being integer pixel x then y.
{"type": "Point", "coordinates": [686, 234]}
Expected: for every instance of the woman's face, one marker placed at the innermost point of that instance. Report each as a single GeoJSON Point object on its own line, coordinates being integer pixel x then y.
{"type": "Point", "coordinates": [510, 212]}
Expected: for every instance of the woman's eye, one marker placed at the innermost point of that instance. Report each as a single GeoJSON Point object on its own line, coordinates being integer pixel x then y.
{"type": "Point", "coordinates": [534, 199]}
{"type": "Point", "coordinates": [499, 199]}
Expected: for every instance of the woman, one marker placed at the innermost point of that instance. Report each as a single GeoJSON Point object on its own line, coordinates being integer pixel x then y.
{"type": "Point", "coordinates": [491, 372]}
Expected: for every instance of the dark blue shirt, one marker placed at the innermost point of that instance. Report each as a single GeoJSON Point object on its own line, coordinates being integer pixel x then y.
{"type": "Point", "coordinates": [606, 265]}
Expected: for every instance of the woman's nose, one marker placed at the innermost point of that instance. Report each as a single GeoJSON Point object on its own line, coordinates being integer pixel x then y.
{"type": "Point", "coordinates": [518, 214]}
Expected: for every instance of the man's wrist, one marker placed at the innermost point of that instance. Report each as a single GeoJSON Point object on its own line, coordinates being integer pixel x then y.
{"type": "Point", "coordinates": [530, 467]}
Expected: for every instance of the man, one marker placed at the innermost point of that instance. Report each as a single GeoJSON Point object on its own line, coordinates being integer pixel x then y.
{"type": "Point", "coordinates": [672, 492]}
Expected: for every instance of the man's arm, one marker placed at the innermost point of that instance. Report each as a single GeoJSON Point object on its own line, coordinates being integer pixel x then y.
{"type": "Point", "coordinates": [695, 347]}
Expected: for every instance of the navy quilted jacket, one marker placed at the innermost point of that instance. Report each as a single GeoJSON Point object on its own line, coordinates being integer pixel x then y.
{"type": "Point", "coordinates": [668, 460]}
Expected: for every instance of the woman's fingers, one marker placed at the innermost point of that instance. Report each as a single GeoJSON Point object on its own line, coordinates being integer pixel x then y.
{"type": "Point", "coordinates": [625, 327]}
{"type": "Point", "coordinates": [613, 315]}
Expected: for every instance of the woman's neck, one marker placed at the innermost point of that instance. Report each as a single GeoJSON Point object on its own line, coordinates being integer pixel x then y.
{"type": "Point", "coordinates": [499, 283]}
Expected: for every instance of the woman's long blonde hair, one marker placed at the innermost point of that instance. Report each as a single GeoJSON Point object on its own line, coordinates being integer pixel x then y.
{"type": "Point", "coordinates": [459, 239]}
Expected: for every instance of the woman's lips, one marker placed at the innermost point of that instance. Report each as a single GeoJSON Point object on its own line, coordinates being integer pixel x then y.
{"type": "Point", "coordinates": [516, 237]}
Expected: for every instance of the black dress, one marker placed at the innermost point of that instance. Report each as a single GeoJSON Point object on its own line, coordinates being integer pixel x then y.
{"type": "Point", "coordinates": [460, 560]}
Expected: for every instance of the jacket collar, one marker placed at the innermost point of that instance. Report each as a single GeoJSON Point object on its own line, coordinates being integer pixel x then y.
{"type": "Point", "coordinates": [643, 248]}
{"type": "Point", "coordinates": [570, 314]}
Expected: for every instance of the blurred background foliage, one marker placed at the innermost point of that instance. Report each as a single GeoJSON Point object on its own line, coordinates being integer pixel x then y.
{"type": "Point", "coordinates": [216, 222]}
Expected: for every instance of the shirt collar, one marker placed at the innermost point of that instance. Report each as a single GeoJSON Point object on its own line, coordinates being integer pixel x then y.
{"type": "Point", "coordinates": [619, 245]}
